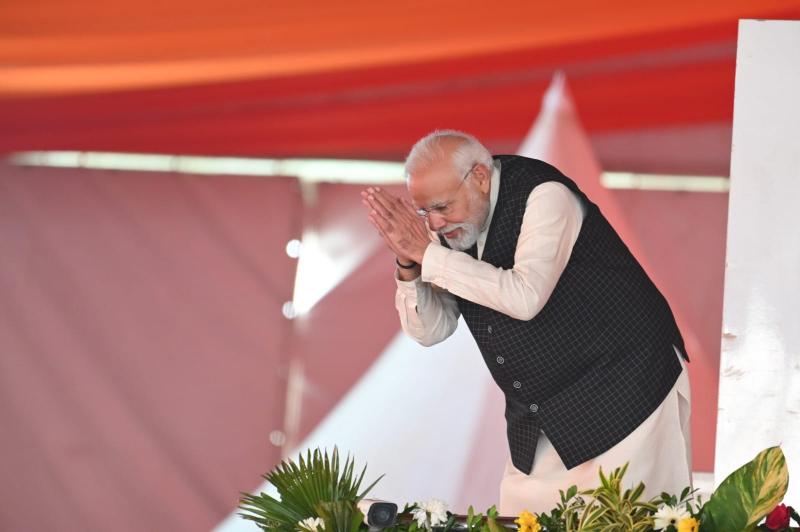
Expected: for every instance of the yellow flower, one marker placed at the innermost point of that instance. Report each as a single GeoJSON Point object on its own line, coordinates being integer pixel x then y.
{"type": "Point", "coordinates": [688, 524]}
{"type": "Point", "coordinates": [528, 522]}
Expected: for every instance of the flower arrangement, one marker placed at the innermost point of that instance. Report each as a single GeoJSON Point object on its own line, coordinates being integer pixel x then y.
{"type": "Point", "coordinates": [317, 495]}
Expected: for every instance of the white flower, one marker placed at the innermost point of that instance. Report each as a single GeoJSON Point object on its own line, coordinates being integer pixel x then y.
{"type": "Point", "coordinates": [438, 511]}
{"type": "Point", "coordinates": [312, 524]}
{"type": "Point", "coordinates": [668, 515]}
{"type": "Point", "coordinates": [421, 517]}
{"type": "Point", "coordinates": [430, 514]}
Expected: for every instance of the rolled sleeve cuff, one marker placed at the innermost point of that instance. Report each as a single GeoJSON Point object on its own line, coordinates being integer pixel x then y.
{"type": "Point", "coordinates": [410, 297]}
{"type": "Point", "coordinates": [434, 264]}
{"type": "Point", "coordinates": [408, 289]}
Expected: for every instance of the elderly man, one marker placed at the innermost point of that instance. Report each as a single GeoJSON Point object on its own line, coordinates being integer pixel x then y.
{"type": "Point", "coordinates": [578, 338]}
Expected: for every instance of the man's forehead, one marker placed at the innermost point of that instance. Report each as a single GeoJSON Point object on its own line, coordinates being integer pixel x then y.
{"type": "Point", "coordinates": [432, 186]}
{"type": "Point", "coordinates": [440, 174]}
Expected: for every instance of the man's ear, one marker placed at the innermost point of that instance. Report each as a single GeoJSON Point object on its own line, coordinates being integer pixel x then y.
{"type": "Point", "coordinates": [483, 178]}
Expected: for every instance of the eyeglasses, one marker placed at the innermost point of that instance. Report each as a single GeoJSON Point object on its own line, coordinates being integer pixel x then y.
{"type": "Point", "coordinates": [443, 207]}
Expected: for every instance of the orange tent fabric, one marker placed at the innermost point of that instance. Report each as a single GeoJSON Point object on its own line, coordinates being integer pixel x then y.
{"type": "Point", "coordinates": [56, 47]}
{"type": "Point", "coordinates": [357, 79]}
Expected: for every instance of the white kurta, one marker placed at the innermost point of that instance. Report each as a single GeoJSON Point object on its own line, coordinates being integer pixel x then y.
{"type": "Point", "coordinates": [658, 453]}
{"type": "Point", "coordinates": [658, 450]}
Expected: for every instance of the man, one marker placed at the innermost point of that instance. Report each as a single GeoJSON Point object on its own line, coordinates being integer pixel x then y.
{"type": "Point", "coordinates": [578, 338]}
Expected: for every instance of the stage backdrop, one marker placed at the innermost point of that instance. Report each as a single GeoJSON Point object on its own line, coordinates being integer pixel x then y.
{"type": "Point", "coordinates": [142, 346]}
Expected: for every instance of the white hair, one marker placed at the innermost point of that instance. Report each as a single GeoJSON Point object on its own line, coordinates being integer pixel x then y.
{"type": "Point", "coordinates": [428, 150]}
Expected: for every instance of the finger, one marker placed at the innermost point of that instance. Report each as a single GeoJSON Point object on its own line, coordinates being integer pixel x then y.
{"type": "Point", "coordinates": [380, 208]}
{"type": "Point", "coordinates": [390, 236]}
{"type": "Point", "coordinates": [389, 196]}
{"type": "Point", "coordinates": [407, 214]}
{"type": "Point", "coordinates": [382, 223]}
{"type": "Point", "coordinates": [389, 243]}
{"type": "Point", "coordinates": [373, 222]}
{"type": "Point", "coordinates": [379, 202]}
{"type": "Point", "coordinates": [400, 209]}
{"type": "Point", "coordinates": [379, 230]}
{"type": "Point", "coordinates": [373, 205]}
{"type": "Point", "coordinates": [387, 240]}
{"type": "Point", "coordinates": [419, 227]}
{"type": "Point", "coordinates": [387, 200]}
{"type": "Point", "coordinates": [406, 207]}
{"type": "Point", "coordinates": [409, 208]}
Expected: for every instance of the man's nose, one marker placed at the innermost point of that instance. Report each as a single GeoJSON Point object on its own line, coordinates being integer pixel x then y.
{"type": "Point", "coordinates": [436, 221]}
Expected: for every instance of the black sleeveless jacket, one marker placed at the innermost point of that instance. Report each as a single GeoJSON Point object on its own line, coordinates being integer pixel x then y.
{"type": "Point", "coordinates": [597, 360]}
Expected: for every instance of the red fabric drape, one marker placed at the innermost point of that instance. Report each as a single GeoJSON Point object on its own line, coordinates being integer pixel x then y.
{"type": "Point", "coordinates": [142, 345]}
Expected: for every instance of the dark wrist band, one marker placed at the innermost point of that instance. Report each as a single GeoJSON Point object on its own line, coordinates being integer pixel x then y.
{"type": "Point", "coordinates": [405, 266]}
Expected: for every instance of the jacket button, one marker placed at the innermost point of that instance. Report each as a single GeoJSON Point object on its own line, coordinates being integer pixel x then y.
{"type": "Point", "coordinates": [517, 385]}
{"type": "Point", "coordinates": [534, 407]}
{"type": "Point", "coordinates": [500, 360]}
{"type": "Point", "coordinates": [489, 329]}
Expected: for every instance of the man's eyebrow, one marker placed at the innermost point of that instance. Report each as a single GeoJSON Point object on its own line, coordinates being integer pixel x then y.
{"type": "Point", "coordinates": [437, 204]}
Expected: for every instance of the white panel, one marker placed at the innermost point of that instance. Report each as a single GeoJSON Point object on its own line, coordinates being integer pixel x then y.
{"type": "Point", "coordinates": [759, 403]}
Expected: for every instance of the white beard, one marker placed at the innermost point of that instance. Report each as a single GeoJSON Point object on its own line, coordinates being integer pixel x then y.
{"type": "Point", "coordinates": [470, 228]}
{"type": "Point", "coordinates": [465, 240]}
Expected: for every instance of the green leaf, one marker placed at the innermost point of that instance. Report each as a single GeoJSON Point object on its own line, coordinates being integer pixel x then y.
{"type": "Point", "coordinates": [748, 494]}
{"type": "Point", "coordinates": [494, 526]}
{"type": "Point", "coordinates": [572, 491]}
{"type": "Point", "coordinates": [794, 515]}
{"type": "Point", "coordinates": [302, 486]}
{"type": "Point", "coordinates": [634, 496]}
{"type": "Point", "coordinates": [340, 516]}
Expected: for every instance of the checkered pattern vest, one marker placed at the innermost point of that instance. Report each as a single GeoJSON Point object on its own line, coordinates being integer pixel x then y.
{"type": "Point", "coordinates": [597, 360]}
